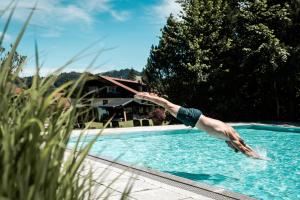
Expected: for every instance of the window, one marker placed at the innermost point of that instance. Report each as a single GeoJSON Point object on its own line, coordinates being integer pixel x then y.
{"type": "Point", "coordinates": [92, 88]}
{"type": "Point", "coordinates": [112, 89]}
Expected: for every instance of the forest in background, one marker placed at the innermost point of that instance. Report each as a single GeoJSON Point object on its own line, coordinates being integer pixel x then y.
{"type": "Point", "coordinates": [235, 60]}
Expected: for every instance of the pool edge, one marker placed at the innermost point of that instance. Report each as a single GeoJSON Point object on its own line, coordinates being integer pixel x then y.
{"type": "Point", "coordinates": [176, 181]}
{"type": "Point", "coordinates": [117, 131]}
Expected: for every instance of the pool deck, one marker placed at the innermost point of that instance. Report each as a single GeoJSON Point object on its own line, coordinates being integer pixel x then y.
{"type": "Point", "coordinates": [114, 131]}
{"type": "Point", "coordinates": [112, 178]}
{"type": "Point", "coordinates": [147, 183]}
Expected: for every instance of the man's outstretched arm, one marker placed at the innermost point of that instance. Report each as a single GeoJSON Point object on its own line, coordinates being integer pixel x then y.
{"type": "Point", "coordinates": [194, 117]}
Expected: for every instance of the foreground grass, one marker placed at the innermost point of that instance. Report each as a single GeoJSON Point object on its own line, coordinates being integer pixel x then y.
{"type": "Point", "coordinates": [35, 127]}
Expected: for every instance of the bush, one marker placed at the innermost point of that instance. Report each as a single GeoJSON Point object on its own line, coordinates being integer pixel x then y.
{"type": "Point", "coordinates": [157, 116]}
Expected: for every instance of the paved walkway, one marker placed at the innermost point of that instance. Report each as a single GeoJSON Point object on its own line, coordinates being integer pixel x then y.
{"type": "Point", "coordinates": [112, 179]}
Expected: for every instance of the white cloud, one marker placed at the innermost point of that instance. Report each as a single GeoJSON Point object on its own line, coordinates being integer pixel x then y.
{"type": "Point", "coordinates": [96, 5]}
{"type": "Point", "coordinates": [102, 6]}
{"type": "Point", "coordinates": [7, 38]}
{"type": "Point", "coordinates": [46, 71]}
{"type": "Point", "coordinates": [74, 13]}
{"type": "Point", "coordinates": [167, 7]}
{"type": "Point", "coordinates": [120, 16]}
{"type": "Point", "coordinates": [54, 14]}
{"type": "Point", "coordinates": [48, 10]}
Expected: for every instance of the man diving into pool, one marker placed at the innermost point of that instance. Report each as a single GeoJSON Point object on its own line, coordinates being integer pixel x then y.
{"type": "Point", "coordinates": [194, 118]}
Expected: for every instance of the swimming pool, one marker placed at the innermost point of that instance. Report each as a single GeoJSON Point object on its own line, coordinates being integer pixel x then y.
{"type": "Point", "coordinates": [192, 154]}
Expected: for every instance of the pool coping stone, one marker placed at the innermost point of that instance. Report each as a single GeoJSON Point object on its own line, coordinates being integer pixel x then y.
{"type": "Point", "coordinates": [175, 181]}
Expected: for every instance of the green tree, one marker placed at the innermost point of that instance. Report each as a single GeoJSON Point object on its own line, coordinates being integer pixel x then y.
{"type": "Point", "coordinates": [166, 69]}
{"type": "Point", "coordinates": [66, 77]}
{"type": "Point", "coordinates": [208, 30]}
{"type": "Point", "coordinates": [265, 59]}
{"type": "Point", "coordinates": [123, 73]}
{"type": "Point", "coordinates": [17, 59]}
{"type": "Point", "coordinates": [132, 74]}
{"type": "Point", "coordinates": [231, 56]}
{"type": "Point", "coordinates": [188, 51]}
{"type": "Point", "coordinates": [290, 72]}
{"type": "Point", "coordinates": [252, 63]}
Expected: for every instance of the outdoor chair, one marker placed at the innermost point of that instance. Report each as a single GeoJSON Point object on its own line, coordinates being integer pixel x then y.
{"type": "Point", "coordinates": [126, 123]}
{"type": "Point", "coordinates": [145, 122]}
{"type": "Point", "coordinates": [136, 122]}
{"type": "Point", "coordinates": [94, 125]}
{"type": "Point", "coordinates": [115, 124]}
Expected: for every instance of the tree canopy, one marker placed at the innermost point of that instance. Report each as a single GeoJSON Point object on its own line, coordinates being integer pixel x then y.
{"type": "Point", "coordinates": [238, 60]}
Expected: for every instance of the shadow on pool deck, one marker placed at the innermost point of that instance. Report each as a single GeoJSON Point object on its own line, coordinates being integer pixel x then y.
{"type": "Point", "coordinates": [216, 178]}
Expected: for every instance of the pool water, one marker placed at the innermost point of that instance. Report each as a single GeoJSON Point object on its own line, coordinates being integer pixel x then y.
{"type": "Point", "coordinates": [192, 154]}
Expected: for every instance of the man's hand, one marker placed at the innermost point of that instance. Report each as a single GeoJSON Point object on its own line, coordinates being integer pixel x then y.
{"type": "Point", "coordinates": [237, 144]}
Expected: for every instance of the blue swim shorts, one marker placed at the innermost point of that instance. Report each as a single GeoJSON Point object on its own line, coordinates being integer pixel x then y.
{"type": "Point", "coordinates": [188, 116]}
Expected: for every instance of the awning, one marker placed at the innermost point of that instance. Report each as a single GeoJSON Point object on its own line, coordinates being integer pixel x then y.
{"type": "Point", "coordinates": [118, 103]}
{"type": "Point", "coordinates": [115, 103]}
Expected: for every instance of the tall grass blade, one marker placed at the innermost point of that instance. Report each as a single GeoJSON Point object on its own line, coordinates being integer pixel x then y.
{"type": "Point", "coordinates": [6, 8]}
{"type": "Point", "coordinates": [35, 128]}
{"type": "Point", "coordinates": [6, 67]}
{"type": "Point", "coordinates": [7, 23]}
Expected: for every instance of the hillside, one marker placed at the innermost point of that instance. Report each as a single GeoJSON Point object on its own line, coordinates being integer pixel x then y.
{"type": "Point", "coordinates": [123, 73]}
{"type": "Point", "coordinates": [68, 76]}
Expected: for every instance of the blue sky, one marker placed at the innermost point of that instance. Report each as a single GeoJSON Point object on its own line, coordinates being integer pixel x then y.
{"type": "Point", "coordinates": [64, 27]}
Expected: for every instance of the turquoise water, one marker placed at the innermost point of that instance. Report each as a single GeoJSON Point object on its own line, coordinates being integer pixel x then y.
{"type": "Point", "coordinates": [194, 155]}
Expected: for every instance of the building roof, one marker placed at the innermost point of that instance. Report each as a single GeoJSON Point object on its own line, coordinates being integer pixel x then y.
{"type": "Point", "coordinates": [114, 81]}
{"type": "Point", "coordinates": [127, 80]}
